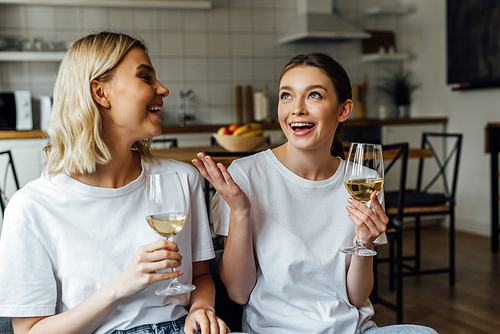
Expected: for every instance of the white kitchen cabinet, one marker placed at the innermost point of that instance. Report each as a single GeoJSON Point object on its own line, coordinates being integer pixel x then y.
{"type": "Point", "coordinates": [28, 159]}
{"type": "Point", "coordinates": [170, 4]}
{"type": "Point", "coordinates": [41, 56]}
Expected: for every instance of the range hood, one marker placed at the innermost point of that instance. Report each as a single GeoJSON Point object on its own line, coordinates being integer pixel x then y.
{"type": "Point", "coordinates": [315, 20]}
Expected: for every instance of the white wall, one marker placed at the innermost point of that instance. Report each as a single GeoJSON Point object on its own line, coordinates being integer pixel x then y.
{"type": "Point", "coordinates": [210, 52]}
{"type": "Point", "coordinates": [424, 33]}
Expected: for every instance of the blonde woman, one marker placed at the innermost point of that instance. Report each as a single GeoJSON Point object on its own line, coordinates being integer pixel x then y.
{"type": "Point", "coordinates": [76, 253]}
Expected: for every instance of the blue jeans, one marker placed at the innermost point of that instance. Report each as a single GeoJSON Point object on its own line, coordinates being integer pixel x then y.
{"type": "Point", "coordinates": [400, 329]}
{"type": "Point", "coordinates": [169, 327]}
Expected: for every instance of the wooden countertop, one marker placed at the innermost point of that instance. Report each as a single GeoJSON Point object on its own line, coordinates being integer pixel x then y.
{"type": "Point", "coordinates": [265, 126]}
{"type": "Point", "coordinates": [349, 123]}
{"type": "Point", "coordinates": [187, 154]}
{"type": "Point", "coordinates": [22, 134]}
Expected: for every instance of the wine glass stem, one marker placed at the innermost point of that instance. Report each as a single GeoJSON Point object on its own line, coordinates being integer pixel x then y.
{"type": "Point", "coordinates": [358, 242]}
{"type": "Point", "coordinates": [172, 270]}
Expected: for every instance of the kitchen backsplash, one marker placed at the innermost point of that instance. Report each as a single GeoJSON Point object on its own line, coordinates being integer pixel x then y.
{"type": "Point", "coordinates": [210, 52]}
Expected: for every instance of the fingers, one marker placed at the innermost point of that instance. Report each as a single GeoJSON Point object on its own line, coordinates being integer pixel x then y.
{"type": "Point", "coordinates": [159, 255]}
{"type": "Point", "coordinates": [212, 168]}
{"type": "Point", "coordinates": [216, 173]}
{"type": "Point", "coordinates": [160, 244]}
{"type": "Point", "coordinates": [371, 223]}
{"type": "Point", "coordinates": [223, 329]}
{"type": "Point", "coordinates": [206, 321]}
{"type": "Point", "coordinates": [201, 165]}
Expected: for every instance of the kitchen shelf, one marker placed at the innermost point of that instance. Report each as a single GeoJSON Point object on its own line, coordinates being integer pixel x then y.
{"type": "Point", "coordinates": [385, 57]}
{"type": "Point", "coordinates": [41, 56]}
{"type": "Point", "coordinates": [193, 5]}
{"type": "Point", "coordinates": [388, 10]}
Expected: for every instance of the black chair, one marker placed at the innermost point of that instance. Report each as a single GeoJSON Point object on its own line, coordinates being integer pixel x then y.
{"type": "Point", "coordinates": [167, 142]}
{"type": "Point", "coordinates": [422, 202]}
{"type": "Point", "coordinates": [394, 231]}
{"type": "Point", "coordinates": [493, 147]}
{"type": "Point", "coordinates": [10, 169]}
{"type": "Point", "coordinates": [225, 308]}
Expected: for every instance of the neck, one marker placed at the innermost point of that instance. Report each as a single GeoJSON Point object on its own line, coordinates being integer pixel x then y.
{"type": "Point", "coordinates": [314, 165]}
{"type": "Point", "coordinates": [124, 167]}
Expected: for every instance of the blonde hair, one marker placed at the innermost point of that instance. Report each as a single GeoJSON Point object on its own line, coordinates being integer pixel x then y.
{"type": "Point", "coordinates": [74, 130]}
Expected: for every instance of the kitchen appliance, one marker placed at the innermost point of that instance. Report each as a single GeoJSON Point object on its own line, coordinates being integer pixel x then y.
{"type": "Point", "coordinates": [319, 20]}
{"type": "Point", "coordinates": [41, 106]}
{"type": "Point", "coordinates": [15, 110]}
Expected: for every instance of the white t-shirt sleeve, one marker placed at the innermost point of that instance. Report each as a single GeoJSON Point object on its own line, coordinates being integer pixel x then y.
{"type": "Point", "coordinates": [26, 276]}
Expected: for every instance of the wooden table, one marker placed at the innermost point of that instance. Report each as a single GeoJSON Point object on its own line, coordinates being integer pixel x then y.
{"type": "Point", "coordinates": [186, 154]}
{"type": "Point", "coordinates": [413, 153]}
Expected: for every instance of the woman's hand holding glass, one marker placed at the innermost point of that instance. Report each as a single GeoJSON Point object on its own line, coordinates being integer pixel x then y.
{"type": "Point", "coordinates": [166, 213]}
{"type": "Point", "coordinates": [369, 223]}
{"type": "Point", "coordinates": [364, 179]}
{"type": "Point", "coordinates": [142, 269]}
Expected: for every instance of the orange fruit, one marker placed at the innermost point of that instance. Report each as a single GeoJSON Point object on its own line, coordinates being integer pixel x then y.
{"type": "Point", "coordinates": [233, 127]}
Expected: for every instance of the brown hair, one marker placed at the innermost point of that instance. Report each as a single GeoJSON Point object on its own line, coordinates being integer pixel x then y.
{"type": "Point", "coordinates": [340, 81]}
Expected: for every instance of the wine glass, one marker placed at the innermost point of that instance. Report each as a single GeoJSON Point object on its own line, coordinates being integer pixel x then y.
{"type": "Point", "coordinates": [363, 176]}
{"type": "Point", "coordinates": [166, 212]}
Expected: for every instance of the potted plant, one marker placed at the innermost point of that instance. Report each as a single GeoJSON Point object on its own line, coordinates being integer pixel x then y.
{"type": "Point", "coordinates": [398, 87]}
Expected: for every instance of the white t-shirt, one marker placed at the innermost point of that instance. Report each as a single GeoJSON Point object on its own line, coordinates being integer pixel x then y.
{"type": "Point", "coordinates": [62, 240]}
{"type": "Point", "coordinates": [298, 229]}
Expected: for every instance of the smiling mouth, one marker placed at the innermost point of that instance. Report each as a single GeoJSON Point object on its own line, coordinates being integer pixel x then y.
{"type": "Point", "coordinates": [301, 126]}
{"type": "Point", "coordinates": [155, 108]}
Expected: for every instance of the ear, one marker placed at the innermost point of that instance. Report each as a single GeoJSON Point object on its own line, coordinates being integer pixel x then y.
{"type": "Point", "coordinates": [97, 89]}
{"type": "Point", "coordinates": [345, 110]}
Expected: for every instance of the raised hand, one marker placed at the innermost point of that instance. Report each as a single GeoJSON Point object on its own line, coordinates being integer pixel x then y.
{"type": "Point", "coordinates": [222, 181]}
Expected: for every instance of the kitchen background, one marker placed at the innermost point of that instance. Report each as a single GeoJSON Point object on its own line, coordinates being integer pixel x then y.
{"type": "Point", "coordinates": [235, 43]}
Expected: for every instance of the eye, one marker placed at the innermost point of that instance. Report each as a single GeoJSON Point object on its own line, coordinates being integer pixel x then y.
{"type": "Point", "coordinates": [146, 78]}
{"type": "Point", "coordinates": [315, 95]}
{"type": "Point", "coordinates": [285, 96]}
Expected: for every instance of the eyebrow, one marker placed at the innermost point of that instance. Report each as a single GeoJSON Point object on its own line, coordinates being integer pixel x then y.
{"type": "Point", "coordinates": [307, 88]}
{"type": "Point", "coordinates": [147, 67]}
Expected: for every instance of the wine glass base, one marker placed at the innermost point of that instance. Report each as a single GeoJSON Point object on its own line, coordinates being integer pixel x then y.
{"type": "Point", "coordinates": [175, 290]}
{"type": "Point", "coordinates": [359, 251]}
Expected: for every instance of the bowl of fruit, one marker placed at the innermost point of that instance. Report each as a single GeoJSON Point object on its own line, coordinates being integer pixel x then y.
{"type": "Point", "coordinates": [240, 138]}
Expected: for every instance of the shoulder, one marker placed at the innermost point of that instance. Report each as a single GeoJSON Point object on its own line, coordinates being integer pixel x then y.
{"type": "Point", "coordinates": [169, 166]}
{"type": "Point", "coordinates": [29, 201]}
{"type": "Point", "coordinates": [257, 160]}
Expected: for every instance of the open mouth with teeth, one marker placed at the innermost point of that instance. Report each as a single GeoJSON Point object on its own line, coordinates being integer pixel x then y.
{"type": "Point", "coordinates": [155, 108]}
{"type": "Point", "coordinates": [301, 127]}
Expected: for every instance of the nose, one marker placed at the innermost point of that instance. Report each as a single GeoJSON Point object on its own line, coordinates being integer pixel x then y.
{"type": "Point", "coordinates": [299, 108]}
{"type": "Point", "coordinates": [162, 90]}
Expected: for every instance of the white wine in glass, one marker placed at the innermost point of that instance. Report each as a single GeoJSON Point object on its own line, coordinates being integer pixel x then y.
{"type": "Point", "coordinates": [363, 176]}
{"type": "Point", "coordinates": [166, 213]}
